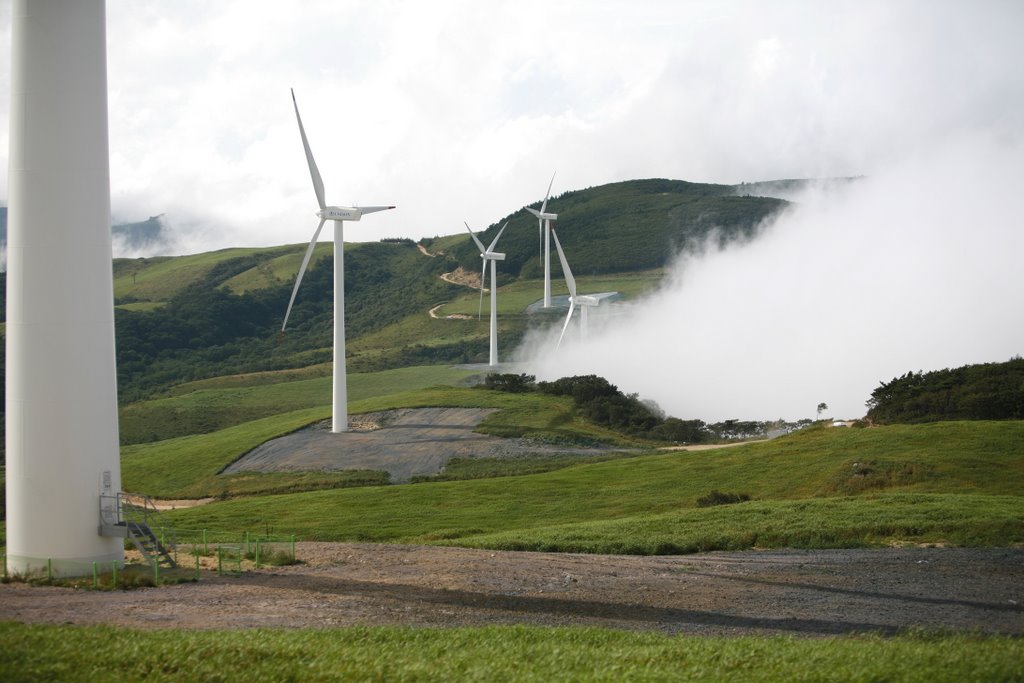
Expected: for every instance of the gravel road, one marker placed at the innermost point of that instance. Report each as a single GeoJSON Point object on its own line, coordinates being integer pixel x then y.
{"type": "Point", "coordinates": [800, 593]}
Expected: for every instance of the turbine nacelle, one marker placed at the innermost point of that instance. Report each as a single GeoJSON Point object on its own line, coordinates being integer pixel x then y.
{"type": "Point", "coordinates": [347, 213]}
{"type": "Point", "coordinates": [585, 300]}
{"type": "Point", "coordinates": [492, 256]}
{"type": "Point", "coordinates": [543, 215]}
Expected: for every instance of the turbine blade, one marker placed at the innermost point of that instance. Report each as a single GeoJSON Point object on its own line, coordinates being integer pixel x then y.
{"type": "Point", "coordinates": [544, 206]}
{"type": "Point", "coordinates": [318, 183]}
{"type": "Point", "coordinates": [570, 281]}
{"type": "Point", "coordinates": [302, 271]}
{"type": "Point", "coordinates": [479, 244]}
{"type": "Point", "coordinates": [374, 209]}
{"type": "Point", "coordinates": [495, 242]}
{"type": "Point", "coordinates": [568, 318]}
{"type": "Point", "coordinates": [483, 274]}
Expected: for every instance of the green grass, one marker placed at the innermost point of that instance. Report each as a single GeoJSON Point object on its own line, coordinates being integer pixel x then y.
{"type": "Point", "coordinates": [210, 405]}
{"type": "Point", "coordinates": [75, 653]}
{"type": "Point", "coordinates": [982, 458]}
{"type": "Point", "coordinates": [160, 278]}
{"type": "Point", "coordinates": [281, 269]}
{"type": "Point", "coordinates": [514, 297]}
{"type": "Point", "coordinates": [460, 469]}
{"type": "Point", "coordinates": [186, 467]}
{"type": "Point", "coordinates": [852, 522]}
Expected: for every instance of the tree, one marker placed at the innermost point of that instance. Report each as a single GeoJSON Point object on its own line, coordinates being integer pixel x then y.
{"type": "Point", "coordinates": [822, 406]}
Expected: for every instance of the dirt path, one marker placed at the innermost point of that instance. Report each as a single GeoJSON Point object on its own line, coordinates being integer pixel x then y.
{"type": "Point", "coordinates": [409, 442]}
{"type": "Point", "coordinates": [462, 277]}
{"type": "Point", "coordinates": [801, 593]}
{"type": "Point", "coordinates": [453, 316]}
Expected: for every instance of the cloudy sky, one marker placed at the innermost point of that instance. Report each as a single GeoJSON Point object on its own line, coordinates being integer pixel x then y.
{"type": "Point", "coordinates": [461, 110]}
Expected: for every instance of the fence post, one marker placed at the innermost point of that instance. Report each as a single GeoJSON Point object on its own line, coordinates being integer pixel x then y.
{"type": "Point", "coordinates": [49, 569]}
{"type": "Point", "coordinates": [197, 566]}
{"type": "Point", "coordinates": [113, 574]}
{"type": "Point", "coordinates": [156, 573]}
{"type": "Point", "coordinates": [293, 547]}
{"type": "Point", "coordinates": [220, 561]}
{"type": "Point", "coordinates": [257, 553]}
{"type": "Point", "coordinates": [5, 566]}
{"type": "Point", "coordinates": [95, 577]}
{"type": "Point", "coordinates": [206, 548]}
{"type": "Point", "coordinates": [247, 551]}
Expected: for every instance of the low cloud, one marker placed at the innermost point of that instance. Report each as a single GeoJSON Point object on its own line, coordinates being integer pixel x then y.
{"type": "Point", "coordinates": [916, 267]}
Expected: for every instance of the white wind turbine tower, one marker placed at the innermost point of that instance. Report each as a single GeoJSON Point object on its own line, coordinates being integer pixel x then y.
{"type": "Point", "coordinates": [338, 214]}
{"type": "Point", "coordinates": [584, 301]}
{"type": "Point", "coordinates": [489, 254]}
{"type": "Point", "coordinates": [61, 391]}
{"type": "Point", "coordinates": [544, 219]}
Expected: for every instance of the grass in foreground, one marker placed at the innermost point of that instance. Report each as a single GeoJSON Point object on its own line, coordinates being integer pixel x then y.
{"type": "Point", "coordinates": [72, 653]}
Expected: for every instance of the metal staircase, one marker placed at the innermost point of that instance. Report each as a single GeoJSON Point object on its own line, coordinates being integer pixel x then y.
{"type": "Point", "coordinates": [133, 516]}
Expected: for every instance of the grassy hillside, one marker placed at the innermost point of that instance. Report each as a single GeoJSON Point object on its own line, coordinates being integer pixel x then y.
{"type": "Point", "coordinates": [960, 482]}
{"type": "Point", "coordinates": [206, 315]}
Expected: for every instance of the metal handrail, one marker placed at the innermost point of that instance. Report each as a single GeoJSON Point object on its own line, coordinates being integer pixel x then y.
{"type": "Point", "coordinates": [132, 516]}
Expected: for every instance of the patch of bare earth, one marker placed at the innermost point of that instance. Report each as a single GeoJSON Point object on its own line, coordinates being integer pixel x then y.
{"type": "Point", "coordinates": [463, 277]}
{"type": "Point", "coordinates": [405, 443]}
{"type": "Point", "coordinates": [803, 593]}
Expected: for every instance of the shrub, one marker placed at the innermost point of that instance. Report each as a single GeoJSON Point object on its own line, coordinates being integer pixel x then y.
{"type": "Point", "coordinates": [719, 498]}
{"type": "Point", "coordinates": [511, 383]}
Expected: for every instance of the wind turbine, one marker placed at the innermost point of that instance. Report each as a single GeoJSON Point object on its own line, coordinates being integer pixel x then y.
{"type": "Point", "coordinates": [489, 254]}
{"type": "Point", "coordinates": [584, 301]}
{"type": "Point", "coordinates": [544, 219]}
{"type": "Point", "coordinates": [338, 214]}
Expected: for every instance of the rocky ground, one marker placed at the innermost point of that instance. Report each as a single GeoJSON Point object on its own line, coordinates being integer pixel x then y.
{"type": "Point", "coordinates": [802, 593]}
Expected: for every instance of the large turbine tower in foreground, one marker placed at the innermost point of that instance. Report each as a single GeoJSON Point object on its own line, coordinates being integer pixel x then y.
{"type": "Point", "coordinates": [62, 441]}
{"type": "Point", "coordinates": [338, 214]}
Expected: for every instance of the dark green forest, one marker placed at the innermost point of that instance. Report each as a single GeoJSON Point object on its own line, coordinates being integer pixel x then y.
{"type": "Point", "coordinates": [627, 226]}
{"type": "Point", "coordinates": [989, 391]}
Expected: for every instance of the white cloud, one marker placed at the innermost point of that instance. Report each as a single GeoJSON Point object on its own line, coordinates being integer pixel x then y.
{"type": "Point", "coordinates": [917, 267]}
{"type": "Point", "coordinates": [459, 110]}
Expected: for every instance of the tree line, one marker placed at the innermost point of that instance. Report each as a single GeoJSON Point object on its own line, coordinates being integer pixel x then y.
{"type": "Point", "coordinates": [988, 391]}
{"type": "Point", "coordinates": [601, 402]}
